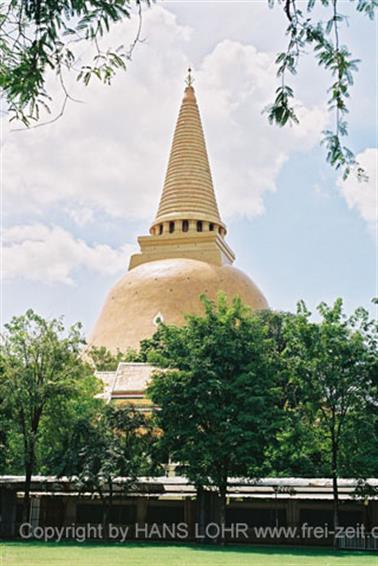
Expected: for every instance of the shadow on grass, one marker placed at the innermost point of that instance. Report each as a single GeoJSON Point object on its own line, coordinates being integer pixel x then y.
{"type": "Point", "coordinates": [207, 548]}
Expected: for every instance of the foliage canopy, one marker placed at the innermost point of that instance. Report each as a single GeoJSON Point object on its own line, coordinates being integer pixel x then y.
{"type": "Point", "coordinates": [40, 37]}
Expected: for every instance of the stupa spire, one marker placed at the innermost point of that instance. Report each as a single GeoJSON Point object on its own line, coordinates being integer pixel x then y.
{"type": "Point", "coordinates": [188, 224]}
{"type": "Point", "coordinates": [188, 192]}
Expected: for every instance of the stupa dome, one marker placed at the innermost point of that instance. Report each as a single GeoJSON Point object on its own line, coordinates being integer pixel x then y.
{"type": "Point", "coordinates": [185, 254]}
{"type": "Point", "coordinates": [166, 290]}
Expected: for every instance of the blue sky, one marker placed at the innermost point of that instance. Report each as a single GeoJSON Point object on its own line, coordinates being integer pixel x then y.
{"type": "Point", "coordinates": [79, 192]}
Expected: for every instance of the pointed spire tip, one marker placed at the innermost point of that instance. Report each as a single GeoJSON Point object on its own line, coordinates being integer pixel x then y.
{"type": "Point", "coordinates": [189, 79]}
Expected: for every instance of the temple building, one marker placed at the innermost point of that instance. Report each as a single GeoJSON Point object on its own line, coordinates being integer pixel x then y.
{"type": "Point", "coordinates": [185, 253]}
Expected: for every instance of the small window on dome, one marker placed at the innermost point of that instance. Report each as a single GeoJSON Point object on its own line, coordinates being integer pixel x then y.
{"type": "Point", "coordinates": [185, 225]}
{"type": "Point", "coordinates": [158, 319]}
{"type": "Point", "coordinates": [171, 227]}
{"type": "Point", "coordinates": [199, 226]}
{"type": "Point", "coordinates": [211, 227]}
{"type": "Point", "coordinates": [160, 229]}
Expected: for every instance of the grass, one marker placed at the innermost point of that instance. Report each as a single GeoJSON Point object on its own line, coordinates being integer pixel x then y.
{"type": "Point", "coordinates": [146, 554]}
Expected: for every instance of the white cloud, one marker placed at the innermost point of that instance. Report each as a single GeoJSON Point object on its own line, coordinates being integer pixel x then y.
{"type": "Point", "coordinates": [81, 215]}
{"type": "Point", "coordinates": [110, 153]}
{"type": "Point", "coordinates": [51, 254]}
{"type": "Point", "coordinates": [363, 195]}
{"type": "Point", "coordinates": [247, 153]}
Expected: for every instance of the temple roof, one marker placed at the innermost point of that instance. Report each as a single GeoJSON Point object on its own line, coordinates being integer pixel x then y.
{"type": "Point", "coordinates": [129, 381]}
{"type": "Point", "coordinates": [188, 191]}
{"type": "Point", "coordinates": [179, 487]}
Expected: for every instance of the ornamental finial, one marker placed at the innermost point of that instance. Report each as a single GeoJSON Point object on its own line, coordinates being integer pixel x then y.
{"type": "Point", "coordinates": [189, 79]}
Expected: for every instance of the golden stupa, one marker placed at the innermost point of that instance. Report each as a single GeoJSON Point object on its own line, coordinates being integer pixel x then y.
{"type": "Point", "coordinates": [185, 254]}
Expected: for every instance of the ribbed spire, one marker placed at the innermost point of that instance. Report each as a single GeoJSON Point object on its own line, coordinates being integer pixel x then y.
{"type": "Point", "coordinates": [188, 224]}
{"type": "Point", "coordinates": [188, 192]}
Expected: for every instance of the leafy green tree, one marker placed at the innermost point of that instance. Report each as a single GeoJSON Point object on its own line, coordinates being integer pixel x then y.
{"type": "Point", "coordinates": [334, 367]}
{"type": "Point", "coordinates": [42, 370]}
{"type": "Point", "coordinates": [60, 422]}
{"type": "Point", "coordinates": [359, 451]}
{"type": "Point", "coordinates": [55, 430]}
{"type": "Point", "coordinates": [216, 396]}
{"type": "Point", "coordinates": [322, 35]}
{"type": "Point", "coordinates": [116, 444]}
{"type": "Point", "coordinates": [104, 360]}
{"type": "Point", "coordinates": [4, 423]}
{"type": "Point", "coordinates": [4, 435]}
{"type": "Point", "coordinates": [298, 448]}
{"type": "Point", "coordinates": [41, 37]}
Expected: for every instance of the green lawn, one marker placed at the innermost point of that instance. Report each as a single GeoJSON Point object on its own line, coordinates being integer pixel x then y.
{"type": "Point", "coordinates": [138, 554]}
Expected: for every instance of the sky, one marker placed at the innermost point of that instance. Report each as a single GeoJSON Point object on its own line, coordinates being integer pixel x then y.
{"type": "Point", "coordinates": [77, 193]}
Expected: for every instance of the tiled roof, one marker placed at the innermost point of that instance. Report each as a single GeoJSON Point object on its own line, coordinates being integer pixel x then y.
{"type": "Point", "coordinates": [130, 379]}
{"type": "Point", "coordinates": [179, 487]}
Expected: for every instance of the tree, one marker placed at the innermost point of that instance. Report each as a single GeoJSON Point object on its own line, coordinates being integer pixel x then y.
{"type": "Point", "coordinates": [42, 369]}
{"type": "Point", "coordinates": [214, 395]}
{"type": "Point", "coordinates": [103, 360]}
{"type": "Point", "coordinates": [41, 37]}
{"type": "Point", "coordinates": [113, 445]}
{"type": "Point", "coordinates": [334, 366]}
{"type": "Point", "coordinates": [61, 420]}
{"type": "Point", "coordinates": [297, 450]}
{"type": "Point", "coordinates": [322, 35]}
{"type": "Point", "coordinates": [4, 423]}
{"type": "Point", "coordinates": [4, 433]}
